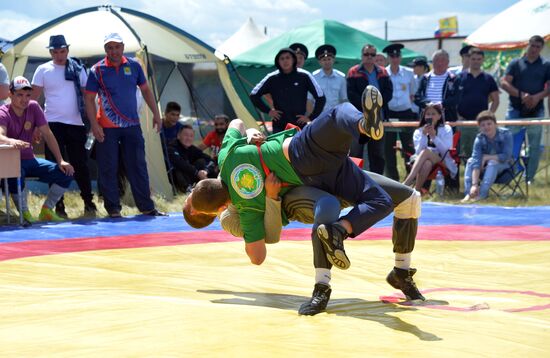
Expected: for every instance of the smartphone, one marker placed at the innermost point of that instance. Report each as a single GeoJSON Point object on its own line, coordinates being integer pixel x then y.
{"type": "Point", "coordinates": [429, 121]}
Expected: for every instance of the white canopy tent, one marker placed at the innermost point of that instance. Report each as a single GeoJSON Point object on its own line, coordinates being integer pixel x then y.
{"type": "Point", "coordinates": [143, 35]}
{"type": "Point", "coordinates": [247, 37]}
{"type": "Point", "coordinates": [512, 28]}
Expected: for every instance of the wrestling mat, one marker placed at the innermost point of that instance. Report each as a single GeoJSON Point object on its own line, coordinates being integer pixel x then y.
{"type": "Point", "coordinates": [154, 287]}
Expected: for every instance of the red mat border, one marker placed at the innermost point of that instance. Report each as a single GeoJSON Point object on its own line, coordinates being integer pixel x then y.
{"type": "Point", "coordinates": [9, 251]}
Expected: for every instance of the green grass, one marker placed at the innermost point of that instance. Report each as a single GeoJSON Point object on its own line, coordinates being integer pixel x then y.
{"type": "Point", "coordinates": [539, 191]}
{"type": "Point", "coordinates": [539, 194]}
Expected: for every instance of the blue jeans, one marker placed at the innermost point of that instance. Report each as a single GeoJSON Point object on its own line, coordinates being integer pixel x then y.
{"type": "Point", "coordinates": [492, 170]}
{"type": "Point", "coordinates": [534, 135]}
{"type": "Point", "coordinates": [46, 171]}
{"type": "Point", "coordinates": [133, 153]}
{"type": "Point", "coordinates": [319, 155]}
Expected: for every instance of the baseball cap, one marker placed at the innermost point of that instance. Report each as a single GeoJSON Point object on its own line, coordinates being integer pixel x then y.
{"type": "Point", "coordinates": [19, 83]}
{"type": "Point", "coordinates": [112, 37]}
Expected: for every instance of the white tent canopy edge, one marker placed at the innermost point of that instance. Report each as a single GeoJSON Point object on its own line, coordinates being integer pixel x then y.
{"type": "Point", "coordinates": [143, 34]}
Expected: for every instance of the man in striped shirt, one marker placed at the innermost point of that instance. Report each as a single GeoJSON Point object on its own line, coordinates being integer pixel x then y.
{"type": "Point", "coordinates": [437, 86]}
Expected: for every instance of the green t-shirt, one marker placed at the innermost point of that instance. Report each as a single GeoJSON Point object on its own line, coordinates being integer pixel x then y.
{"type": "Point", "coordinates": [241, 170]}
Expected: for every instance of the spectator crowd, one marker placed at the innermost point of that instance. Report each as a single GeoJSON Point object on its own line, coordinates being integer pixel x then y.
{"type": "Point", "coordinates": [101, 102]}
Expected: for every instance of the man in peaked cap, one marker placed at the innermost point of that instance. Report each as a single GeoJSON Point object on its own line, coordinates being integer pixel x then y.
{"type": "Point", "coordinates": [400, 107]}
{"type": "Point", "coordinates": [301, 53]}
{"type": "Point", "coordinates": [331, 81]}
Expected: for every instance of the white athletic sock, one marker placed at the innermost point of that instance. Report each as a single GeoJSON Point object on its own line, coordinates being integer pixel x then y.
{"type": "Point", "coordinates": [403, 261]}
{"type": "Point", "coordinates": [54, 194]}
{"type": "Point", "coordinates": [322, 275]}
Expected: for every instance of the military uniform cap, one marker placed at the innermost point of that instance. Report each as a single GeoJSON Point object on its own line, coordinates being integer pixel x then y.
{"type": "Point", "coordinates": [299, 49]}
{"type": "Point", "coordinates": [325, 51]}
{"type": "Point", "coordinates": [393, 49]}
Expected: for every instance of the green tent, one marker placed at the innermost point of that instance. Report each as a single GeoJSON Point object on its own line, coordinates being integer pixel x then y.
{"type": "Point", "coordinates": [251, 66]}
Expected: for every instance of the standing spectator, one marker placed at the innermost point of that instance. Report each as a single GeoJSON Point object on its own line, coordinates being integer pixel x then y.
{"type": "Point", "coordinates": [331, 81]}
{"type": "Point", "coordinates": [527, 80]}
{"type": "Point", "coordinates": [380, 60]}
{"type": "Point", "coordinates": [18, 121]}
{"type": "Point", "coordinates": [476, 89]}
{"type": "Point", "coordinates": [465, 58]}
{"type": "Point", "coordinates": [492, 154]}
{"type": "Point", "coordinates": [62, 81]}
{"type": "Point", "coordinates": [4, 84]}
{"type": "Point", "coordinates": [288, 87]}
{"type": "Point", "coordinates": [400, 107]}
{"type": "Point", "coordinates": [420, 68]}
{"type": "Point", "coordinates": [189, 162]}
{"type": "Point", "coordinates": [114, 79]}
{"type": "Point", "coordinates": [358, 78]}
{"type": "Point", "coordinates": [301, 53]}
{"type": "Point", "coordinates": [432, 141]}
{"type": "Point", "coordinates": [214, 138]}
{"type": "Point", "coordinates": [170, 123]}
{"type": "Point", "coordinates": [437, 86]}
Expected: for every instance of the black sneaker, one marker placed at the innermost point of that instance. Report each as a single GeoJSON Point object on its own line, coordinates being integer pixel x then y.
{"type": "Point", "coordinates": [90, 209]}
{"type": "Point", "coordinates": [60, 210]}
{"type": "Point", "coordinates": [155, 212]}
{"type": "Point", "coordinates": [318, 302]}
{"type": "Point", "coordinates": [332, 236]}
{"type": "Point", "coordinates": [402, 280]}
{"type": "Point", "coordinates": [371, 101]}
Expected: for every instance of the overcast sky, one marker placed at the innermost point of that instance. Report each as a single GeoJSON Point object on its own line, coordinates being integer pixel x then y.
{"type": "Point", "coordinates": [213, 21]}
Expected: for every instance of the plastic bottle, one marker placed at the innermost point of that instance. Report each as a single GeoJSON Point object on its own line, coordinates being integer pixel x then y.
{"type": "Point", "coordinates": [89, 141]}
{"type": "Point", "coordinates": [439, 183]}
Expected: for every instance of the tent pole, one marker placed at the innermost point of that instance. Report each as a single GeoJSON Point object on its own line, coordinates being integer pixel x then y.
{"type": "Point", "coordinates": [228, 61]}
{"type": "Point", "coordinates": [151, 80]}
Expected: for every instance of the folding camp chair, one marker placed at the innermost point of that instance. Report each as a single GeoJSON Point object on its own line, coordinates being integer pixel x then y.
{"type": "Point", "coordinates": [452, 185]}
{"type": "Point", "coordinates": [510, 181]}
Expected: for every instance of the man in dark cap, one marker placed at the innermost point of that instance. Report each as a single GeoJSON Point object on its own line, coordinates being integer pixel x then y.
{"type": "Point", "coordinates": [465, 56]}
{"type": "Point", "coordinates": [288, 87]}
{"type": "Point", "coordinates": [301, 53]}
{"type": "Point", "coordinates": [400, 107]}
{"type": "Point", "coordinates": [331, 81]}
{"type": "Point", "coordinates": [62, 81]}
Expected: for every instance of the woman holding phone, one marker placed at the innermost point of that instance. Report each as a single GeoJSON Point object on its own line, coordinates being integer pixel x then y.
{"type": "Point", "coordinates": [432, 141]}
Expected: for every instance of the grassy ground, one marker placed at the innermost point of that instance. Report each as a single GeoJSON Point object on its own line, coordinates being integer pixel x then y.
{"type": "Point", "coordinates": [539, 194]}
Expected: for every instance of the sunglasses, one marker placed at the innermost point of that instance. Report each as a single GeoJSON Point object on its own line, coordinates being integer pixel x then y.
{"type": "Point", "coordinates": [369, 54]}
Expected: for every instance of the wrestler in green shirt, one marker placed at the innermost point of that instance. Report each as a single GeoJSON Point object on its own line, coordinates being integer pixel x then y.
{"type": "Point", "coordinates": [244, 175]}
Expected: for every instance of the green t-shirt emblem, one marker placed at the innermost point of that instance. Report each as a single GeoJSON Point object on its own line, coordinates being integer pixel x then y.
{"type": "Point", "coordinates": [247, 181]}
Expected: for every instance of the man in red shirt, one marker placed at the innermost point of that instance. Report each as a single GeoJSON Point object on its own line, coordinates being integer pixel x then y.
{"type": "Point", "coordinates": [213, 139]}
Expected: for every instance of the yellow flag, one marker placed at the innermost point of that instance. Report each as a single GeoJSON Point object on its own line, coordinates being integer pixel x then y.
{"type": "Point", "coordinates": [447, 27]}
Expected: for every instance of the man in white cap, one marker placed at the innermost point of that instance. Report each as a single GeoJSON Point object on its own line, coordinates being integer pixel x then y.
{"type": "Point", "coordinates": [114, 80]}
{"type": "Point", "coordinates": [18, 120]}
